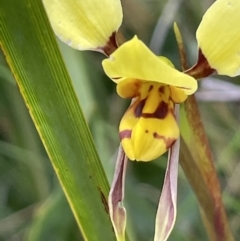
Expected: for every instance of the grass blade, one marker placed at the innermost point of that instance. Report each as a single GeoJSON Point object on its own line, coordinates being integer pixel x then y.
{"type": "Point", "coordinates": [33, 56]}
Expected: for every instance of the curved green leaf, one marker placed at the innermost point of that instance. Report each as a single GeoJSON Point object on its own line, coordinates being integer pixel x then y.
{"type": "Point", "coordinates": [33, 56]}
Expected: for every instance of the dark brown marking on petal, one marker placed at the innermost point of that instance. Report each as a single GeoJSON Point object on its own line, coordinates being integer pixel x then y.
{"type": "Point", "coordinates": [162, 110]}
{"type": "Point", "coordinates": [167, 140]}
{"type": "Point", "coordinates": [161, 89]}
{"type": "Point", "coordinates": [150, 88]}
{"type": "Point", "coordinates": [146, 131]}
{"type": "Point", "coordinates": [125, 134]}
{"type": "Point", "coordinates": [139, 108]}
{"type": "Point", "coordinates": [160, 113]}
{"type": "Point", "coordinates": [110, 46]}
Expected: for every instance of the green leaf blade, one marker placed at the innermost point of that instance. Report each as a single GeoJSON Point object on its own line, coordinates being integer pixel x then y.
{"type": "Point", "coordinates": [33, 56]}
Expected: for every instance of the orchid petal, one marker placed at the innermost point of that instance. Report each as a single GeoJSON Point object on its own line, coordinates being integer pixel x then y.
{"type": "Point", "coordinates": [129, 88]}
{"type": "Point", "coordinates": [177, 94]}
{"type": "Point", "coordinates": [84, 24]}
{"type": "Point", "coordinates": [116, 196]}
{"type": "Point", "coordinates": [167, 210]}
{"type": "Point", "coordinates": [218, 37]}
{"type": "Point", "coordinates": [134, 60]}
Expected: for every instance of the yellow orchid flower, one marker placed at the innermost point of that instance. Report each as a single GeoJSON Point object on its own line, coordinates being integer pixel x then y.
{"type": "Point", "coordinates": [85, 25]}
{"type": "Point", "coordinates": [218, 37]}
{"type": "Point", "coordinates": [148, 128]}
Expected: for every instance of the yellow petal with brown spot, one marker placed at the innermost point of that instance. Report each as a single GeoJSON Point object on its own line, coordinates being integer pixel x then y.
{"type": "Point", "coordinates": [153, 137]}
{"type": "Point", "coordinates": [149, 128]}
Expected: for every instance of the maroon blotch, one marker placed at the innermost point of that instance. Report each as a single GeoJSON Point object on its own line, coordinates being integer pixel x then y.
{"type": "Point", "coordinates": [161, 89]}
{"type": "Point", "coordinates": [160, 113]}
{"type": "Point", "coordinates": [125, 134]}
{"type": "Point", "coordinates": [150, 88]}
{"type": "Point", "coordinates": [168, 140]}
{"type": "Point", "coordinates": [139, 108]}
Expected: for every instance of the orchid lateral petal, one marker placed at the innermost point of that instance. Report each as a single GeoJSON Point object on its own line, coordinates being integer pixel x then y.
{"type": "Point", "coordinates": [177, 94]}
{"type": "Point", "coordinates": [134, 60]}
{"type": "Point", "coordinates": [116, 196]}
{"type": "Point", "coordinates": [124, 91]}
{"type": "Point", "coordinates": [84, 24]}
{"type": "Point", "coordinates": [167, 209]}
{"type": "Point", "coordinates": [218, 37]}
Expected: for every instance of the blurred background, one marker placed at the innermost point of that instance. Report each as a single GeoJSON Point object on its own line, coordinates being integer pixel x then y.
{"type": "Point", "coordinates": [32, 204]}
